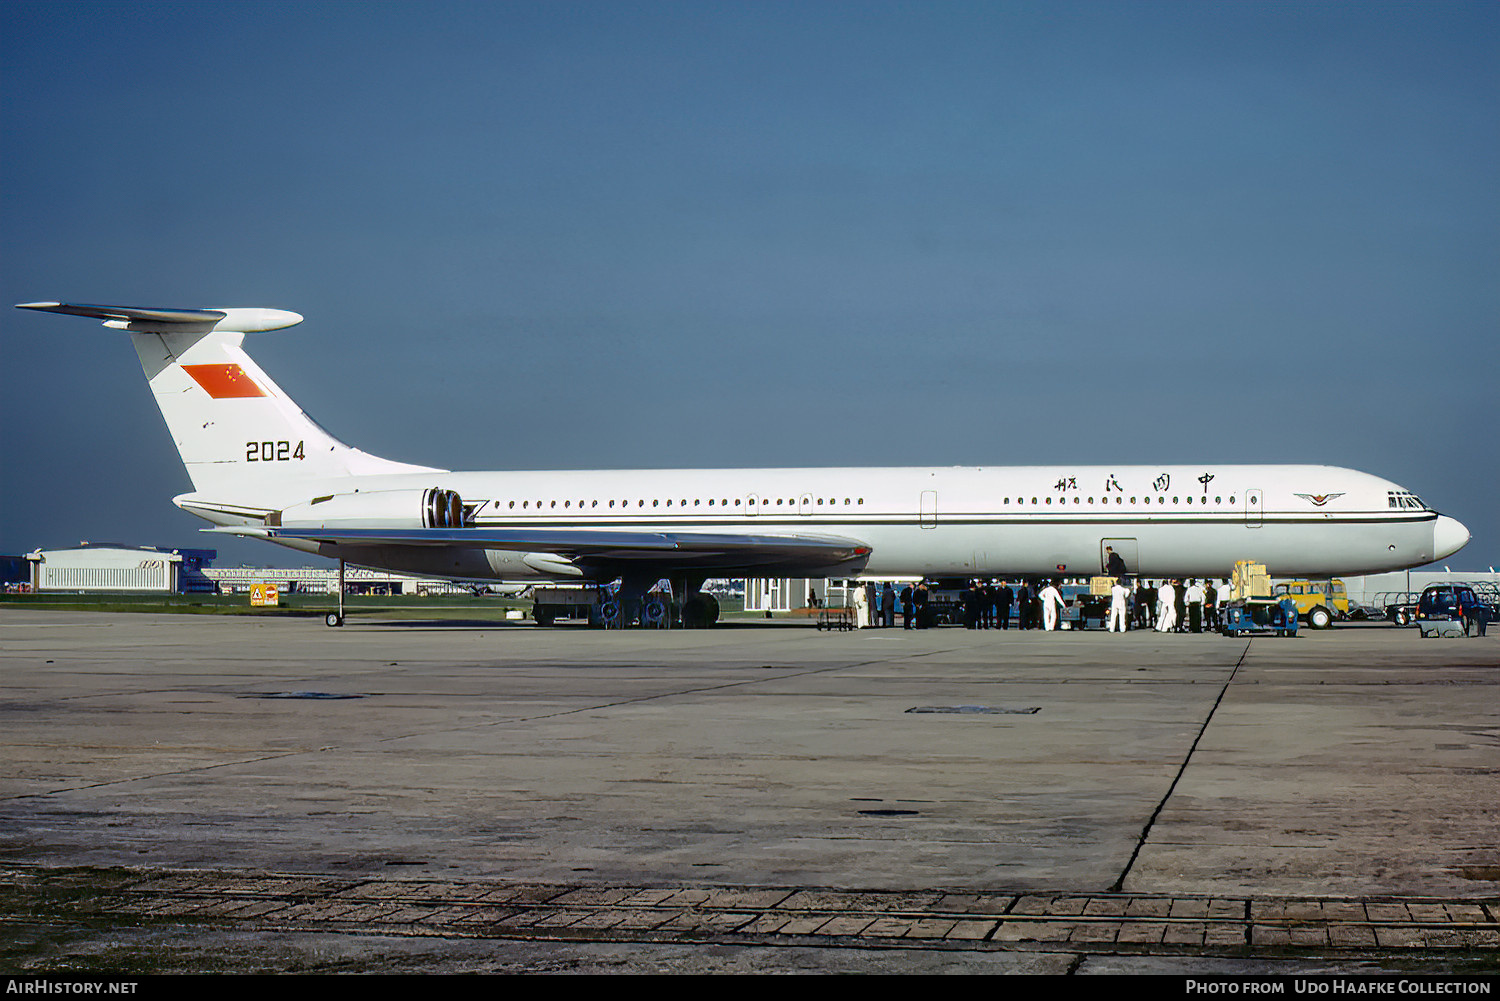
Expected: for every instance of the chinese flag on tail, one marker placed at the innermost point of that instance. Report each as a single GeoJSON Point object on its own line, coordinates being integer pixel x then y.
{"type": "Point", "coordinates": [224, 382]}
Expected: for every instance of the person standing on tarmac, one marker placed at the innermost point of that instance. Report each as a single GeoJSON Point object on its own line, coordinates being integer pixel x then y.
{"type": "Point", "coordinates": [1052, 604]}
{"type": "Point", "coordinates": [1003, 598]}
{"type": "Point", "coordinates": [1195, 597]}
{"type": "Point", "coordinates": [1118, 594]}
{"type": "Point", "coordinates": [1145, 602]}
{"type": "Point", "coordinates": [919, 600]}
{"type": "Point", "coordinates": [1166, 609]}
{"type": "Point", "coordinates": [888, 606]}
{"type": "Point", "coordinates": [907, 607]}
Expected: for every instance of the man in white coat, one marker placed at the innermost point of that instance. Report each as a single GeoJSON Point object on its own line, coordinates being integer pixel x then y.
{"type": "Point", "coordinates": [1117, 596]}
{"type": "Point", "coordinates": [861, 608]}
{"type": "Point", "coordinates": [1166, 608]}
{"type": "Point", "coordinates": [1052, 604]}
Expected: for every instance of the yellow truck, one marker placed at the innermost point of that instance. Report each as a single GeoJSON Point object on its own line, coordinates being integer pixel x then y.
{"type": "Point", "coordinates": [1319, 602]}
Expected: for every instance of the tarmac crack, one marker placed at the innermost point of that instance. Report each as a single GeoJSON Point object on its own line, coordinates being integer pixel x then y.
{"type": "Point", "coordinates": [1140, 843]}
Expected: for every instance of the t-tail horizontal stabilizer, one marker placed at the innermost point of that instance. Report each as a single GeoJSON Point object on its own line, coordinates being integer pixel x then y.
{"type": "Point", "coordinates": [162, 320]}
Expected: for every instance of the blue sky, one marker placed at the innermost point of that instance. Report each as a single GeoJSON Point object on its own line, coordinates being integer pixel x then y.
{"type": "Point", "coordinates": [593, 235]}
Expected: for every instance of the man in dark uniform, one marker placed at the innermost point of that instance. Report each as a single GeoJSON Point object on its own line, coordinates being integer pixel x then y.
{"type": "Point", "coordinates": [1003, 598]}
{"type": "Point", "coordinates": [1023, 607]}
{"type": "Point", "coordinates": [919, 600]}
{"type": "Point", "coordinates": [1145, 606]}
{"type": "Point", "coordinates": [1114, 563]}
{"type": "Point", "coordinates": [888, 605]}
{"type": "Point", "coordinates": [906, 607]}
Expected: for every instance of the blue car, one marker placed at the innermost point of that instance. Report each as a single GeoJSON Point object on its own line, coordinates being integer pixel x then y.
{"type": "Point", "coordinates": [1451, 610]}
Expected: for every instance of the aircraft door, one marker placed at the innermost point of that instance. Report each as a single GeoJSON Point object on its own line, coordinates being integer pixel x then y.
{"type": "Point", "coordinates": [752, 504]}
{"type": "Point", "coordinates": [1127, 549]}
{"type": "Point", "coordinates": [805, 505]}
{"type": "Point", "coordinates": [1253, 504]}
{"type": "Point", "coordinates": [927, 510]}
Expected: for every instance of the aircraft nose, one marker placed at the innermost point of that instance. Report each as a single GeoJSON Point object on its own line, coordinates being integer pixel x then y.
{"type": "Point", "coordinates": [1448, 537]}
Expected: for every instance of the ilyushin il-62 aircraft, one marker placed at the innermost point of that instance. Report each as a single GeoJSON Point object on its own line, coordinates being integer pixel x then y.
{"type": "Point", "coordinates": [261, 468]}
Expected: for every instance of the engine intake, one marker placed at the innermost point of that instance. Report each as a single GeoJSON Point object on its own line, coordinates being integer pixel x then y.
{"type": "Point", "coordinates": [442, 509]}
{"type": "Point", "coordinates": [435, 507]}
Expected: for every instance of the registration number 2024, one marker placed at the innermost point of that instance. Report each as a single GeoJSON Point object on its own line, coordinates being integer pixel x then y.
{"type": "Point", "coordinates": [273, 451]}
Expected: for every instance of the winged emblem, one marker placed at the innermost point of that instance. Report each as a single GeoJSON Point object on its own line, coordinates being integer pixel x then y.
{"type": "Point", "coordinates": [1318, 500]}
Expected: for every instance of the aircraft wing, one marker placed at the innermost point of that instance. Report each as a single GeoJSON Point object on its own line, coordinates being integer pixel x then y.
{"type": "Point", "coordinates": [675, 547]}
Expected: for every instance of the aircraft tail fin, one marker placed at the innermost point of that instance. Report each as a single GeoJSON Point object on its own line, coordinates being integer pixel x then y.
{"type": "Point", "coordinates": [236, 431]}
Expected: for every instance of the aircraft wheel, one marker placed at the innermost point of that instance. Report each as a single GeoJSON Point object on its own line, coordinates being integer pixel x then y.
{"type": "Point", "coordinates": [333, 620]}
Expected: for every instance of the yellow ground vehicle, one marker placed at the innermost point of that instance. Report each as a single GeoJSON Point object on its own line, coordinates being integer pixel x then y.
{"type": "Point", "coordinates": [1319, 602]}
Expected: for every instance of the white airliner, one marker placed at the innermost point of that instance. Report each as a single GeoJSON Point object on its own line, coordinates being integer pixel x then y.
{"type": "Point", "coordinates": [262, 468]}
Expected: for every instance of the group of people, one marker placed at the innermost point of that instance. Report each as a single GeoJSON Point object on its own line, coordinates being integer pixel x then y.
{"type": "Point", "coordinates": [988, 604]}
{"type": "Point", "coordinates": [985, 605]}
{"type": "Point", "coordinates": [1175, 607]}
{"type": "Point", "coordinates": [1171, 607]}
{"type": "Point", "coordinates": [877, 606]}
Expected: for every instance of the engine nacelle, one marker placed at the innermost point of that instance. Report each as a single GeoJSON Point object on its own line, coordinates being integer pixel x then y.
{"type": "Point", "coordinates": [431, 508]}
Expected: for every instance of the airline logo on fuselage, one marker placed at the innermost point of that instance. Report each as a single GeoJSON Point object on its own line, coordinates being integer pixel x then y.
{"type": "Point", "coordinates": [224, 382]}
{"type": "Point", "coordinates": [1318, 500]}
